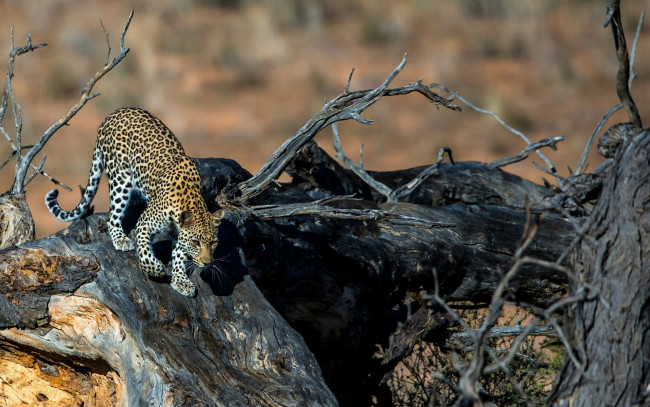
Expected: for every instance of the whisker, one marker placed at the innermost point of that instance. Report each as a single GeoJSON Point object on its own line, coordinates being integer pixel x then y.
{"type": "Point", "coordinates": [189, 267]}
{"type": "Point", "coordinates": [223, 258]}
{"type": "Point", "coordinates": [217, 272]}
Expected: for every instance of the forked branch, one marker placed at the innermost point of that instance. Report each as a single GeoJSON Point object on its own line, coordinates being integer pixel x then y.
{"type": "Point", "coordinates": [623, 75]}
{"type": "Point", "coordinates": [348, 105]}
{"type": "Point", "coordinates": [23, 162]}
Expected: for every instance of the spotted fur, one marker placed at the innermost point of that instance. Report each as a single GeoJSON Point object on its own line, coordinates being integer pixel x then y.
{"type": "Point", "coordinates": [138, 152]}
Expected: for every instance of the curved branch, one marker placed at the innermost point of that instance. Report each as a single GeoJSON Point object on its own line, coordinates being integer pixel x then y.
{"type": "Point", "coordinates": [23, 163]}
{"type": "Point", "coordinates": [348, 105]}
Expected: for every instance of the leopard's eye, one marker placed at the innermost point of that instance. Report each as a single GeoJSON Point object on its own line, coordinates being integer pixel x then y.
{"type": "Point", "coordinates": [196, 242]}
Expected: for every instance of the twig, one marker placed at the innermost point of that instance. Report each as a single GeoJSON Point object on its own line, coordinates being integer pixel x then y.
{"type": "Point", "coordinates": [391, 195]}
{"type": "Point", "coordinates": [320, 208]}
{"type": "Point", "coordinates": [594, 134]}
{"type": "Point", "coordinates": [411, 186]}
{"type": "Point", "coordinates": [23, 162]}
{"type": "Point", "coordinates": [108, 43]}
{"type": "Point", "coordinates": [634, 44]}
{"type": "Point", "coordinates": [346, 106]}
{"type": "Point", "coordinates": [39, 170]}
{"type": "Point", "coordinates": [511, 129]}
{"type": "Point", "coordinates": [8, 93]}
{"type": "Point", "coordinates": [346, 89]}
{"type": "Point", "coordinates": [523, 154]}
{"type": "Point", "coordinates": [624, 74]}
{"type": "Point", "coordinates": [618, 106]}
{"type": "Point", "coordinates": [357, 169]}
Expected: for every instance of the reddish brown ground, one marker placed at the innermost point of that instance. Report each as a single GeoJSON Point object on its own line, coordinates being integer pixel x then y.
{"type": "Point", "coordinates": [236, 82]}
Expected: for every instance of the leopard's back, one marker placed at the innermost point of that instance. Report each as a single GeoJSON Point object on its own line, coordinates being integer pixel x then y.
{"type": "Point", "coordinates": [133, 140]}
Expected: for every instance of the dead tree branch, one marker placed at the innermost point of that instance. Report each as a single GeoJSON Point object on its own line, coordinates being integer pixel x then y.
{"type": "Point", "coordinates": [346, 106]}
{"type": "Point", "coordinates": [618, 106]}
{"type": "Point", "coordinates": [8, 93]}
{"type": "Point", "coordinates": [392, 195]}
{"type": "Point", "coordinates": [465, 341]}
{"type": "Point", "coordinates": [623, 76]}
{"type": "Point", "coordinates": [523, 154]}
{"type": "Point", "coordinates": [510, 128]}
{"type": "Point", "coordinates": [23, 162]}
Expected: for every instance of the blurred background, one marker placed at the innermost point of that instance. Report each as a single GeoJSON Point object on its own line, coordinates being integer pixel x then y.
{"type": "Point", "coordinates": [235, 78]}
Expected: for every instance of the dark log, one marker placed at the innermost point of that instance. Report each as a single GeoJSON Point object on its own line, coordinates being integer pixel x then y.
{"type": "Point", "coordinates": [610, 325]}
{"type": "Point", "coordinates": [340, 269]}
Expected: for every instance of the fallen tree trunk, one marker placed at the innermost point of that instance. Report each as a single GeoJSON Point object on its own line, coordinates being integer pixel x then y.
{"type": "Point", "coordinates": [338, 270]}
{"type": "Point", "coordinates": [82, 325]}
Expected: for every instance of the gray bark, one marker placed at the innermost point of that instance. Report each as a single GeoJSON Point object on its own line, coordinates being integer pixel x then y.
{"type": "Point", "coordinates": [610, 326]}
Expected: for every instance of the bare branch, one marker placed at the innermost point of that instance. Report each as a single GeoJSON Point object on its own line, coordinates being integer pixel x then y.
{"type": "Point", "coordinates": [411, 186]}
{"type": "Point", "coordinates": [321, 209]}
{"type": "Point", "coordinates": [523, 154]}
{"type": "Point", "coordinates": [21, 170]}
{"type": "Point", "coordinates": [108, 42]}
{"type": "Point", "coordinates": [5, 162]}
{"type": "Point", "coordinates": [346, 89]}
{"type": "Point", "coordinates": [357, 169]}
{"type": "Point", "coordinates": [624, 74]}
{"type": "Point", "coordinates": [618, 106]}
{"type": "Point", "coordinates": [348, 105]}
{"type": "Point", "coordinates": [633, 56]}
{"type": "Point", "coordinates": [594, 134]}
{"type": "Point", "coordinates": [510, 128]}
{"type": "Point", "coordinates": [37, 171]}
{"type": "Point", "coordinates": [465, 341]}
{"type": "Point", "coordinates": [8, 93]}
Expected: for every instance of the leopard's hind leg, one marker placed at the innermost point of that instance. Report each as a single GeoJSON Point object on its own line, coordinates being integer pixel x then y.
{"type": "Point", "coordinates": [120, 186]}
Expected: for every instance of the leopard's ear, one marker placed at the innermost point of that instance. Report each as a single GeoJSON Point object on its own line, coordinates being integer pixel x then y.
{"type": "Point", "coordinates": [216, 218]}
{"type": "Point", "coordinates": [186, 219]}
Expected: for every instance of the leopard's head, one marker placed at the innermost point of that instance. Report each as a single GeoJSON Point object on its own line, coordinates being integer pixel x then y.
{"type": "Point", "coordinates": [198, 235]}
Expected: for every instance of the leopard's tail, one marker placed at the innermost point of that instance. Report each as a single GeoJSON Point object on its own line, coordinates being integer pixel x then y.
{"type": "Point", "coordinates": [88, 194]}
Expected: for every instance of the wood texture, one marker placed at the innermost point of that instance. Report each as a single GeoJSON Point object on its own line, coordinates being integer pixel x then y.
{"type": "Point", "coordinates": [334, 273]}
{"type": "Point", "coordinates": [610, 327]}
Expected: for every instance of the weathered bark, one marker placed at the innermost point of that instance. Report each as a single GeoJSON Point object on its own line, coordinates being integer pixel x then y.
{"type": "Point", "coordinates": [343, 281]}
{"type": "Point", "coordinates": [16, 222]}
{"type": "Point", "coordinates": [338, 270]}
{"type": "Point", "coordinates": [611, 327]}
{"type": "Point", "coordinates": [74, 307]}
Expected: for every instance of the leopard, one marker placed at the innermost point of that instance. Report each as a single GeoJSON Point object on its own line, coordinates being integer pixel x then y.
{"type": "Point", "coordinates": [142, 158]}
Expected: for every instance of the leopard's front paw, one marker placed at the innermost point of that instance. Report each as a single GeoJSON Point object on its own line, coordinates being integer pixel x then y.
{"type": "Point", "coordinates": [183, 285]}
{"type": "Point", "coordinates": [123, 243]}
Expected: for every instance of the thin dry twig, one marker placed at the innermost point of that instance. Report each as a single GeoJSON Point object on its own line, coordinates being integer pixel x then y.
{"type": "Point", "coordinates": [583, 158]}
{"type": "Point", "coordinates": [8, 93]}
{"type": "Point", "coordinates": [346, 106]}
{"type": "Point", "coordinates": [625, 70]}
{"type": "Point", "coordinates": [509, 128]}
{"type": "Point", "coordinates": [408, 188]}
{"type": "Point", "coordinates": [392, 195]}
{"type": "Point", "coordinates": [526, 152]}
{"type": "Point", "coordinates": [23, 162]}
{"type": "Point", "coordinates": [357, 169]}
{"type": "Point", "coordinates": [594, 134]}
